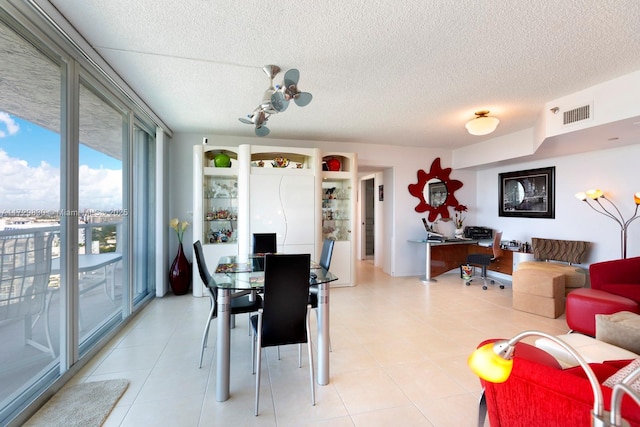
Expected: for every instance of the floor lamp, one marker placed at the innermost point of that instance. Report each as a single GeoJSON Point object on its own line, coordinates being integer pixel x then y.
{"type": "Point", "coordinates": [493, 362]}
{"type": "Point", "coordinates": [592, 199]}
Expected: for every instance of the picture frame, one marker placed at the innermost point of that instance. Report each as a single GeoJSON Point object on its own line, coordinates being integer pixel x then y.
{"type": "Point", "coordinates": [437, 193]}
{"type": "Point", "coordinates": [527, 193]}
{"type": "Point", "coordinates": [381, 193]}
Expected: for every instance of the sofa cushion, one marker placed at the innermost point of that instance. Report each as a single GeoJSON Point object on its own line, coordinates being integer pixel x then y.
{"type": "Point", "coordinates": [621, 375]}
{"type": "Point", "coordinates": [621, 329]}
{"type": "Point", "coordinates": [591, 350]}
{"type": "Point", "coordinates": [628, 290]}
{"type": "Point", "coordinates": [584, 304]}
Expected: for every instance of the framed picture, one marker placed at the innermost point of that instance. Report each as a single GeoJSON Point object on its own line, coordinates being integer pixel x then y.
{"type": "Point", "coordinates": [528, 193]}
{"type": "Point", "coordinates": [437, 193]}
{"type": "Point", "coordinates": [381, 193]}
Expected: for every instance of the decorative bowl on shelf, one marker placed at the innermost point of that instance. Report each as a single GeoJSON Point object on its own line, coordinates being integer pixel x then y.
{"type": "Point", "coordinates": [280, 162]}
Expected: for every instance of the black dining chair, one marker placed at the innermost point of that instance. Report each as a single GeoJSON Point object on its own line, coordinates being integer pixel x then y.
{"type": "Point", "coordinates": [241, 302]}
{"type": "Point", "coordinates": [263, 243]}
{"type": "Point", "coordinates": [284, 317]}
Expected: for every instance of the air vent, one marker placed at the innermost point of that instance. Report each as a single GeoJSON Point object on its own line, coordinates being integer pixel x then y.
{"type": "Point", "coordinates": [577, 114]}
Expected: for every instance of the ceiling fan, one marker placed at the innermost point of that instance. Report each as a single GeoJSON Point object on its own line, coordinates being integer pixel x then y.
{"type": "Point", "coordinates": [276, 100]}
{"type": "Point", "coordinates": [289, 90]}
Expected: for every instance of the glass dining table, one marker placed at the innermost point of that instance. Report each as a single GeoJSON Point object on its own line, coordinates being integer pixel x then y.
{"type": "Point", "coordinates": [233, 275]}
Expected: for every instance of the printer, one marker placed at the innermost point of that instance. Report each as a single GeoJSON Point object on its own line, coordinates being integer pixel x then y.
{"type": "Point", "coordinates": [478, 233]}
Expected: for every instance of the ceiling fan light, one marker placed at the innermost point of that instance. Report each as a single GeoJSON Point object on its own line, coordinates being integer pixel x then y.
{"type": "Point", "coordinates": [482, 124]}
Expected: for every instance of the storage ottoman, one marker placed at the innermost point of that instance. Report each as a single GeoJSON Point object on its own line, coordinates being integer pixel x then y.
{"type": "Point", "coordinates": [539, 292]}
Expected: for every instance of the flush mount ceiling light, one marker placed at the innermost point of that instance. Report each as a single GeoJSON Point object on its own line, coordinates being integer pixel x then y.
{"type": "Point", "coordinates": [482, 124]}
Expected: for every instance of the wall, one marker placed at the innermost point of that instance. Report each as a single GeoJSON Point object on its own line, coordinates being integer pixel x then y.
{"type": "Point", "coordinates": [613, 171]}
{"type": "Point", "coordinates": [401, 221]}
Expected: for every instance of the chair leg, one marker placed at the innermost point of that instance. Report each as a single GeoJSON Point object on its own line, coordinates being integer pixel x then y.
{"type": "Point", "coordinates": [205, 336]}
{"type": "Point", "coordinates": [311, 375]}
{"type": "Point", "coordinates": [258, 360]}
{"type": "Point", "coordinates": [253, 353]}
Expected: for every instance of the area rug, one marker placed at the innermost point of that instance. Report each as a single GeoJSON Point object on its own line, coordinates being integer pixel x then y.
{"type": "Point", "coordinates": [85, 404]}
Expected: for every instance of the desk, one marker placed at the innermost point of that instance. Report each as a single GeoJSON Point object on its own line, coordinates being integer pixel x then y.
{"type": "Point", "coordinates": [441, 257]}
{"type": "Point", "coordinates": [231, 275]}
{"type": "Point", "coordinates": [450, 255]}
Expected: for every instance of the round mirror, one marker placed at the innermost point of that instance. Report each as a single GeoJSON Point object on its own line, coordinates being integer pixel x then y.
{"type": "Point", "coordinates": [435, 191]}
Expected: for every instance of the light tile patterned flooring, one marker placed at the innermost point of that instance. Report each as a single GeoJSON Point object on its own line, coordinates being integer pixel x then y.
{"type": "Point", "coordinates": [399, 358]}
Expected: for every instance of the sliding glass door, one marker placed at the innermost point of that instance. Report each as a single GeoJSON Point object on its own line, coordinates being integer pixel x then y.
{"type": "Point", "coordinates": [77, 212]}
{"type": "Point", "coordinates": [30, 176]}
{"type": "Point", "coordinates": [103, 215]}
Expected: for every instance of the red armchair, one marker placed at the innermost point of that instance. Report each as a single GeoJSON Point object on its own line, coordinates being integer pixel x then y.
{"type": "Point", "coordinates": [615, 286]}
{"type": "Point", "coordinates": [540, 393]}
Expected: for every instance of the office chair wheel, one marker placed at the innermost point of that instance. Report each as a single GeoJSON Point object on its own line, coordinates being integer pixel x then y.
{"type": "Point", "coordinates": [493, 282]}
{"type": "Point", "coordinates": [501, 286]}
{"type": "Point", "coordinates": [468, 283]}
{"type": "Point", "coordinates": [484, 287]}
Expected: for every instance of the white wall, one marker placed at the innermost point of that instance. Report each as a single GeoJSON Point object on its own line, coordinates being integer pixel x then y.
{"type": "Point", "coordinates": [402, 222]}
{"type": "Point", "coordinates": [614, 171]}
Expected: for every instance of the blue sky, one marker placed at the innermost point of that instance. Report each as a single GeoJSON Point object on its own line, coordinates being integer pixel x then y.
{"type": "Point", "coordinates": [35, 144]}
{"type": "Point", "coordinates": [30, 170]}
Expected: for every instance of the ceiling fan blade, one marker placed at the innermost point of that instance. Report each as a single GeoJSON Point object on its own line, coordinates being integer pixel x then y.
{"type": "Point", "coordinates": [278, 102]}
{"type": "Point", "coordinates": [262, 131]}
{"type": "Point", "coordinates": [303, 99]}
{"type": "Point", "coordinates": [245, 120]}
{"type": "Point", "coordinates": [291, 77]}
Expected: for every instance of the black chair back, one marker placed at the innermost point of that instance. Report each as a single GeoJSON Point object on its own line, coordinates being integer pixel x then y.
{"type": "Point", "coordinates": [286, 291]}
{"type": "Point", "coordinates": [206, 277]}
{"type": "Point", "coordinates": [327, 252]}
{"type": "Point", "coordinates": [264, 243]}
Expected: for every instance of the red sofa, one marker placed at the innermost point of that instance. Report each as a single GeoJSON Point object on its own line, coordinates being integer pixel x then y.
{"type": "Point", "coordinates": [540, 393]}
{"type": "Point", "coordinates": [615, 286]}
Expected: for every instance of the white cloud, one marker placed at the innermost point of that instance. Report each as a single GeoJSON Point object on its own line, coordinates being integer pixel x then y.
{"type": "Point", "coordinates": [11, 126]}
{"type": "Point", "coordinates": [38, 188]}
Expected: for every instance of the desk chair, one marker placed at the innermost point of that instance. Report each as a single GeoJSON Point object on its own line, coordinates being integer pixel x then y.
{"type": "Point", "coordinates": [284, 317]}
{"type": "Point", "coordinates": [263, 243]}
{"type": "Point", "coordinates": [240, 301]}
{"type": "Point", "coordinates": [484, 260]}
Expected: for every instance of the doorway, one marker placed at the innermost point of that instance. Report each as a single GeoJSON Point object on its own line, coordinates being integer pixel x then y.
{"type": "Point", "coordinates": [369, 219]}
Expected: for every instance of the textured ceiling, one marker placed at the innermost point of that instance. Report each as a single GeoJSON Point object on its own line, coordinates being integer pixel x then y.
{"type": "Point", "coordinates": [395, 72]}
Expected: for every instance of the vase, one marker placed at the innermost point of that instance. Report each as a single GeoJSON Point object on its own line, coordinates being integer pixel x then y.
{"type": "Point", "coordinates": [180, 273]}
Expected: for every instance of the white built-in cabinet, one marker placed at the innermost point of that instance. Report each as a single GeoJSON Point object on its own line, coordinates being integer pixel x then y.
{"type": "Point", "coordinates": [282, 190]}
{"type": "Point", "coordinates": [339, 198]}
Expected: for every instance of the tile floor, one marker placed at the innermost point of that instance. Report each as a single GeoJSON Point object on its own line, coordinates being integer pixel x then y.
{"type": "Point", "coordinates": [399, 358]}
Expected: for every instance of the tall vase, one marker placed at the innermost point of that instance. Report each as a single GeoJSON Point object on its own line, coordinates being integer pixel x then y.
{"type": "Point", "coordinates": [180, 273]}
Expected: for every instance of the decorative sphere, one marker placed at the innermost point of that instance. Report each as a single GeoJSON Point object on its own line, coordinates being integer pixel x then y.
{"type": "Point", "coordinates": [333, 164]}
{"type": "Point", "coordinates": [222, 160]}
